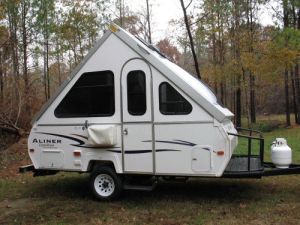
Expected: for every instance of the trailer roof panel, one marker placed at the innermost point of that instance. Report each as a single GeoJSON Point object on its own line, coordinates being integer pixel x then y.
{"type": "Point", "coordinates": [183, 80]}
{"type": "Point", "coordinates": [186, 82]}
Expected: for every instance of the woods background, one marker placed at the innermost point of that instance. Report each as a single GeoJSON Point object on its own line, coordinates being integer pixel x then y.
{"type": "Point", "coordinates": [253, 69]}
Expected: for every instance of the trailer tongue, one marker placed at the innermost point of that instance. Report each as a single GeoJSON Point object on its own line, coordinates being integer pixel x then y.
{"type": "Point", "coordinates": [252, 165]}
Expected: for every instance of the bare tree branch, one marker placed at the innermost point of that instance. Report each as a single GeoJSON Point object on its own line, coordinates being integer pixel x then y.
{"type": "Point", "coordinates": [191, 39]}
{"type": "Point", "coordinates": [188, 5]}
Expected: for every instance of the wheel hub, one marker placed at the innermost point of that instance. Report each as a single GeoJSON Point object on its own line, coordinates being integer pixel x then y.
{"type": "Point", "coordinates": [104, 185]}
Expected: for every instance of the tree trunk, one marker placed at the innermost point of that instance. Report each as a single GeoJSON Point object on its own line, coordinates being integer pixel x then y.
{"type": "Point", "coordinates": [297, 75]}
{"type": "Point", "coordinates": [287, 97]}
{"type": "Point", "coordinates": [233, 97]}
{"type": "Point", "coordinates": [236, 53]}
{"type": "Point", "coordinates": [25, 63]}
{"type": "Point", "coordinates": [251, 75]}
{"type": "Point", "coordinates": [120, 12]}
{"type": "Point", "coordinates": [252, 99]}
{"type": "Point", "coordinates": [238, 116]}
{"type": "Point", "coordinates": [190, 39]}
{"type": "Point", "coordinates": [295, 103]}
{"type": "Point", "coordinates": [214, 60]}
{"type": "Point", "coordinates": [58, 68]}
{"type": "Point", "coordinates": [47, 67]}
{"type": "Point", "coordinates": [216, 88]}
{"type": "Point", "coordinates": [46, 44]}
{"type": "Point", "coordinates": [286, 72]}
{"type": "Point", "coordinates": [148, 21]}
{"type": "Point", "coordinates": [13, 16]}
{"type": "Point", "coordinates": [222, 92]}
{"type": "Point", "coordinates": [45, 74]}
{"type": "Point", "coordinates": [1, 81]}
{"type": "Point", "coordinates": [297, 91]}
{"type": "Point", "coordinates": [246, 97]}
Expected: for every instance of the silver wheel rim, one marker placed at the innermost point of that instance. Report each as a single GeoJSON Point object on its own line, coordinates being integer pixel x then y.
{"type": "Point", "coordinates": [104, 185]}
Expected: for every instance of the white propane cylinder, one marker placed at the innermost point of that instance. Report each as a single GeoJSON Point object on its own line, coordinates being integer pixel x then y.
{"type": "Point", "coordinates": [281, 153]}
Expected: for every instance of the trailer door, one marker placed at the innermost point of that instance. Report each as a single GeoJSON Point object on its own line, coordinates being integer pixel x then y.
{"type": "Point", "coordinates": [137, 118]}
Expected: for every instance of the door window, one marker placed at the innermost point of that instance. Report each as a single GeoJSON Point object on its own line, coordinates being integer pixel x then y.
{"type": "Point", "coordinates": [136, 93]}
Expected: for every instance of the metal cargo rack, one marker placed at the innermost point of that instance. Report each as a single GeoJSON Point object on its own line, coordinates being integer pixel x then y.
{"type": "Point", "coordinates": [252, 165]}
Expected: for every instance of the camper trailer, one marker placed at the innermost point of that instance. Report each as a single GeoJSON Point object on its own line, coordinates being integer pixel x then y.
{"type": "Point", "coordinates": [127, 111]}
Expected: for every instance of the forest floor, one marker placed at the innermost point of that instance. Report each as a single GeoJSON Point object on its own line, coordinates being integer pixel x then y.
{"type": "Point", "coordinates": [65, 198]}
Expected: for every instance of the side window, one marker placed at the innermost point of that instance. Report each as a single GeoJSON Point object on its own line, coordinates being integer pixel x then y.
{"type": "Point", "coordinates": [171, 102]}
{"type": "Point", "coordinates": [91, 96]}
{"type": "Point", "coordinates": [136, 92]}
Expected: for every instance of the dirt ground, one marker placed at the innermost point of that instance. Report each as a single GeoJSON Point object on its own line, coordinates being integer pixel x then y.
{"type": "Point", "coordinates": [13, 157]}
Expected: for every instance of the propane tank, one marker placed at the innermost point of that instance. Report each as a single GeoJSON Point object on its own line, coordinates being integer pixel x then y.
{"type": "Point", "coordinates": [281, 153]}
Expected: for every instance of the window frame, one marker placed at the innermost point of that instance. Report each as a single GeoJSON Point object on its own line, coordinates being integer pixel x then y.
{"type": "Point", "coordinates": [89, 115]}
{"type": "Point", "coordinates": [160, 101]}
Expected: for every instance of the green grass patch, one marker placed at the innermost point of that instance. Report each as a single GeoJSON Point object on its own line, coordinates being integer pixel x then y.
{"type": "Point", "coordinates": [65, 199]}
{"type": "Point", "coordinates": [267, 125]}
{"type": "Point", "coordinates": [272, 126]}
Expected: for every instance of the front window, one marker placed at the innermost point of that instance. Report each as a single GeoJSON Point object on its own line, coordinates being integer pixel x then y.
{"type": "Point", "coordinates": [91, 96]}
{"type": "Point", "coordinates": [171, 102]}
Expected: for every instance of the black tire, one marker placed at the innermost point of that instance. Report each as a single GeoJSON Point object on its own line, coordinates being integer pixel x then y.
{"type": "Point", "coordinates": [105, 183]}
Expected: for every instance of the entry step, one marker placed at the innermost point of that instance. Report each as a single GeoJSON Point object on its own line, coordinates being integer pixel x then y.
{"type": "Point", "coordinates": [140, 187]}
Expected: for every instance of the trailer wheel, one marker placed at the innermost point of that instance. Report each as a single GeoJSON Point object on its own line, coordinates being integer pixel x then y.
{"type": "Point", "coordinates": [105, 183]}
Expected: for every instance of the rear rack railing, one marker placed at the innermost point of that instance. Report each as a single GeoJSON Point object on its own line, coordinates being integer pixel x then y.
{"type": "Point", "coordinates": [258, 136]}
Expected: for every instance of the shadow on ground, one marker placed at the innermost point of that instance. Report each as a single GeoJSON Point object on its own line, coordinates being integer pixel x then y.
{"type": "Point", "coordinates": [65, 198]}
{"type": "Point", "coordinates": [225, 190]}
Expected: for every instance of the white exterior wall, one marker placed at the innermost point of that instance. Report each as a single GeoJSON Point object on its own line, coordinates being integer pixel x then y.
{"type": "Point", "coordinates": [112, 55]}
{"type": "Point", "coordinates": [183, 144]}
{"type": "Point", "coordinates": [189, 137]}
{"type": "Point", "coordinates": [63, 153]}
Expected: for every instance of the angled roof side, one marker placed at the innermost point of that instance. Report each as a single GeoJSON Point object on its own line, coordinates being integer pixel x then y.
{"type": "Point", "coordinates": [182, 79]}
{"type": "Point", "coordinates": [74, 72]}
{"type": "Point", "coordinates": [193, 87]}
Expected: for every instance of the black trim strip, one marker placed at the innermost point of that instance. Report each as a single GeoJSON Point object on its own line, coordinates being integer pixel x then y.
{"type": "Point", "coordinates": [176, 142]}
{"type": "Point", "coordinates": [143, 151]}
{"type": "Point", "coordinates": [81, 143]}
{"type": "Point", "coordinates": [115, 151]}
{"type": "Point", "coordinates": [80, 136]}
{"type": "Point", "coordinates": [187, 142]}
{"type": "Point", "coordinates": [167, 150]}
{"type": "Point", "coordinates": [138, 151]}
{"type": "Point", "coordinates": [95, 147]}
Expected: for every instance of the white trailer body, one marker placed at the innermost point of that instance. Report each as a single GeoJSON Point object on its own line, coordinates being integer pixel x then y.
{"type": "Point", "coordinates": [128, 105]}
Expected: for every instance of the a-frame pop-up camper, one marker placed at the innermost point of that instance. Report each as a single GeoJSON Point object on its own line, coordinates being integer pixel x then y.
{"type": "Point", "coordinates": [127, 110]}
